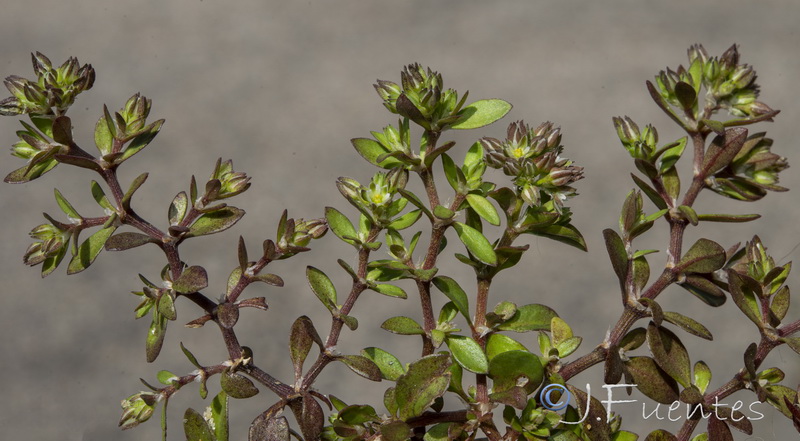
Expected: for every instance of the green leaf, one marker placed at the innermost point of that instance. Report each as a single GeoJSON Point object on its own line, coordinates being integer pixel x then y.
{"type": "Point", "coordinates": [166, 377]}
{"type": "Point", "coordinates": [104, 132]}
{"type": "Point", "coordinates": [672, 183]}
{"type": "Point", "coordinates": [269, 429]}
{"type": "Point", "coordinates": [390, 290]}
{"type": "Point", "coordinates": [177, 208]}
{"type": "Point", "coordinates": [496, 344]}
{"type": "Point", "coordinates": [406, 220]}
{"type": "Point", "coordinates": [687, 324]}
{"type": "Point", "coordinates": [663, 435]}
{"type": "Point", "coordinates": [191, 280]}
{"type": "Point", "coordinates": [468, 353]}
{"type": "Point", "coordinates": [100, 197]}
{"type": "Point", "coordinates": [651, 193]}
{"type": "Point", "coordinates": [728, 217]}
{"type": "Point", "coordinates": [426, 380]}
{"type": "Point", "coordinates": [617, 254]}
{"type": "Point", "coordinates": [669, 353]}
{"type": "Point", "coordinates": [704, 289]}
{"type": "Point", "coordinates": [142, 140]}
{"type": "Point", "coordinates": [705, 256]}
{"type": "Point", "coordinates": [195, 427]}
{"type": "Point", "coordinates": [534, 317]}
{"type": "Point", "coordinates": [127, 240]}
{"type": "Point", "coordinates": [155, 337]}
{"type": "Point", "coordinates": [126, 199]}
{"type": "Point", "coordinates": [481, 113]}
{"type": "Point", "coordinates": [686, 95]}
{"type": "Point", "coordinates": [484, 208]}
{"type": "Point", "coordinates": [453, 291]}
{"type": "Point", "coordinates": [515, 368]}
{"type": "Point", "coordinates": [237, 386]}
{"type": "Point", "coordinates": [371, 150]}
{"type": "Point", "coordinates": [322, 287]}
{"type": "Point", "coordinates": [722, 150]}
{"type": "Point", "coordinates": [362, 366]}
{"type": "Point", "coordinates": [301, 338]}
{"type": "Point", "coordinates": [30, 172]}
{"type": "Point", "coordinates": [476, 243]}
{"type": "Point", "coordinates": [454, 176]}
{"type": "Point", "coordinates": [702, 376]}
{"type": "Point", "coordinates": [190, 356]}
{"type": "Point", "coordinates": [624, 435]}
{"type": "Point", "coordinates": [390, 367]}
{"type": "Point", "coordinates": [219, 414]}
{"type": "Point", "coordinates": [403, 326]}
{"type": "Point", "coordinates": [651, 380]}
{"type": "Point", "coordinates": [215, 221]}
{"type": "Point", "coordinates": [340, 225]}
{"type": "Point", "coordinates": [744, 297]}
{"type": "Point", "coordinates": [65, 206]}
{"type": "Point", "coordinates": [567, 234]}
{"type": "Point", "coordinates": [89, 250]}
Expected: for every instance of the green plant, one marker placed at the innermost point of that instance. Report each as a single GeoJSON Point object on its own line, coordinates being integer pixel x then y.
{"type": "Point", "coordinates": [468, 341]}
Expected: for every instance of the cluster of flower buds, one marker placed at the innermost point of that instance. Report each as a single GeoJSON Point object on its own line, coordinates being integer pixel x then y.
{"type": "Point", "coordinates": [422, 98]}
{"type": "Point", "coordinates": [54, 87]}
{"type": "Point", "coordinates": [640, 144]}
{"type": "Point", "coordinates": [728, 84]}
{"type": "Point", "coordinates": [531, 156]}
{"type": "Point", "coordinates": [226, 183]}
{"type": "Point", "coordinates": [137, 409]}
{"type": "Point", "coordinates": [294, 234]}
{"type": "Point", "coordinates": [376, 200]}
{"type": "Point", "coordinates": [131, 119]}
{"type": "Point", "coordinates": [754, 263]}
{"type": "Point", "coordinates": [753, 171]}
{"type": "Point", "coordinates": [52, 241]}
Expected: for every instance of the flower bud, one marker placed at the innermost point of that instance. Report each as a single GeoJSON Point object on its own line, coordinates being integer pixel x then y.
{"type": "Point", "coordinates": [51, 240]}
{"type": "Point", "coordinates": [711, 70]}
{"type": "Point", "coordinates": [743, 76]}
{"type": "Point", "coordinates": [697, 51]}
{"type": "Point", "coordinates": [729, 59]}
{"type": "Point", "coordinates": [137, 409]}
{"type": "Point", "coordinates": [231, 183]}
{"type": "Point", "coordinates": [41, 64]}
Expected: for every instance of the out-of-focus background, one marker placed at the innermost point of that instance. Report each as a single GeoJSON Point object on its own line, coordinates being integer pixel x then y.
{"type": "Point", "coordinates": [280, 88]}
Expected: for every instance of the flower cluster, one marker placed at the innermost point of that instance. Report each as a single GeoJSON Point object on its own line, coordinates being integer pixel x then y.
{"type": "Point", "coordinates": [54, 87]}
{"type": "Point", "coordinates": [52, 241]}
{"type": "Point", "coordinates": [531, 157]}
{"type": "Point", "coordinates": [376, 200]}
{"type": "Point", "coordinates": [729, 85]}
{"type": "Point", "coordinates": [753, 171]}
{"type": "Point", "coordinates": [422, 98]}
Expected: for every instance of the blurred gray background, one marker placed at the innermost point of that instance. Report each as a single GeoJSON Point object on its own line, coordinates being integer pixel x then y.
{"type": "Point", "coordinates": [280, 88]}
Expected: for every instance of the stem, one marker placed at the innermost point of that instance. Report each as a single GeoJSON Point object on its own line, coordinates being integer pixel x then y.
{"type": "Point", "coordinates": [337, 323]}
{"type": "Point", "coordinates": [482, 395]}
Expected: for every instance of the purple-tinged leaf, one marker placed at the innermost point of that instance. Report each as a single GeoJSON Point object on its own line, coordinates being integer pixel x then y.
{"type": "Point", "coordinates": [669, 353]}
{"type": "Point", "coordinates": [651, 380]}
{"type": "Point", "coordinates": [705, 256]}
{"type": "Point", "coordinates": [127, 240]}
{"type": "Point", "coordinates": [191, 280]}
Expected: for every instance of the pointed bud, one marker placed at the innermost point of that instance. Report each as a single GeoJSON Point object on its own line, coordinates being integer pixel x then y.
{"type": "Point", "coordinates": [697, 51]}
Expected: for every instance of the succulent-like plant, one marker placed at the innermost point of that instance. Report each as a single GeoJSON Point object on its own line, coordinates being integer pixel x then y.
{"type": "Point", "coordinates": [476, 375]}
